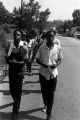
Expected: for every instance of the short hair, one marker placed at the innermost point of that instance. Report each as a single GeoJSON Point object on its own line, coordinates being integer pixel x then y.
{"type": "Point", "coordinates": [48, 34]}
{"type": "Point", "coordinates": [15, 31]}
{"type": "Point", "coordinates": [23, 33]}
{"type": "Point", "coordinates": [53, 29]}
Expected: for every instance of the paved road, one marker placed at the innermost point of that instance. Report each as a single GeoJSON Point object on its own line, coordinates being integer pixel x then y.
{"type": "Point", "coordinates": [67, 95]}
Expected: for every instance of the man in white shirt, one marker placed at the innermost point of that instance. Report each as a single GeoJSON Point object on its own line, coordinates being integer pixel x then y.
{"type": "Point", "coordinates": [56, 40]}
{"type": "Point", "coordinates": [49, 57]}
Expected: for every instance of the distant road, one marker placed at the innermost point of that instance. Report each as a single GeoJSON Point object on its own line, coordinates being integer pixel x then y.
{"type": "Point", "coordinates": [67, 95]}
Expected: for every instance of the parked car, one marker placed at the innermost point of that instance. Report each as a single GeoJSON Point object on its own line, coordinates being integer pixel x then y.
{"type": "Point", "coordinates": [77, 34]}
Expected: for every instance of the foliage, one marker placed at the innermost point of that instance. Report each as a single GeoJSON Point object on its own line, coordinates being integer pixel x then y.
{"type": "Point", "coordinates": [78, 28]}
{"type": "Point", "coordinates": [76, 17]}
{"type": "Point", "coordinates": [2, 35]}
{"type": "Point", "coordinates": [29, 16]}
{"type": "Point", "coordinates": [42, 22]}
{"type": "Point", "coordinates": [66, 25]}
{"type": "Point", "coordinates": [4, 15]}
{"type": "Point", "coordinates": [54, 23]}
{"type": "Point", "coordinates": [6, 28]}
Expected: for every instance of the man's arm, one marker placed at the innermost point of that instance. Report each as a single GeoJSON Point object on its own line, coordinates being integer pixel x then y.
{"type": "Point", "coordinates": [55, 65]}
{"type": "Point", "coordinates": [40, 63]}
{"type": "Point", "coordinates": [16, 62]}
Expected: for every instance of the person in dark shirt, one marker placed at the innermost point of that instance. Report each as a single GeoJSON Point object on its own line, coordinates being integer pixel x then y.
{"type": "Point", "coordinates": [16, 60]}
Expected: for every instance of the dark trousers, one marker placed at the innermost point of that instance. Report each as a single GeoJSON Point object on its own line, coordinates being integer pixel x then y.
{"type": "Point", "coordinates": [29, 64]}
{"type": "Point", "coordinates": [48, 88]}
{"type": "Point", "coordinates": [15, 84]}
{"type": "Point", "coordinates": [29, 61]}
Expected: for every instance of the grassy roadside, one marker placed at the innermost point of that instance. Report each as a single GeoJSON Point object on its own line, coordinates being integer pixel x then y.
{"type": "Point", "coordinates": [3, 65]}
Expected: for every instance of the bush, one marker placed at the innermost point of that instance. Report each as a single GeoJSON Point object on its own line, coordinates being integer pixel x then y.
{"type": "Point", "coordinates": [6, 28]}
{"type": "Point", "coordinates": [2, 35]}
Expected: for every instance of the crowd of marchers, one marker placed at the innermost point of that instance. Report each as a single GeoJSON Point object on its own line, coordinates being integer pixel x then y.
{"type": "Point", "coordinates": [26, 47]}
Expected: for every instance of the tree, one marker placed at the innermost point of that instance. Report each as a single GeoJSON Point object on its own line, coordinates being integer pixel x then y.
{"type": "Point", "coordinates": [54, 23]}
{"type": "Point", "coordinates": [76, 17]}
{"type": "Point", "coordinates": [42, 22]}
{"type": "Point", "coordinates": [67, 25]}
{"type": "Point", "coordinates": [30, 16]}
{"type": "Point", "coordinates": [64, 26]}
{"type": "Point", "coordinates": [4, 14]}
{"type": "Point", "coordinates": [16, 17]}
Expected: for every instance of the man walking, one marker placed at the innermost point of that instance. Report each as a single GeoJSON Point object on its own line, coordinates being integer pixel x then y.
{"type": "Point", "coordinates": [16, 60]}
{"type": "Point", "coordinates": [49, 57]}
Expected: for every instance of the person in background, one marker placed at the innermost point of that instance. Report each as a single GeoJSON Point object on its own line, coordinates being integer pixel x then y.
{"type": "Point", "coordinates": [31, 50]}
{"type": "Point", "coordinates": [16, 60]}
{"type": "Point", "coordinates": [56, 40]}
{"type": "Point", "coordinates": [48, 57]}
{"type": "Point", "coordinates": [25, 43]}
{"type": "Point", "coordinates": [43, 37]}
{"type": "Point", "coordinates": [29, 60]}
{"type": "Point", "coordinates": [34, 39]}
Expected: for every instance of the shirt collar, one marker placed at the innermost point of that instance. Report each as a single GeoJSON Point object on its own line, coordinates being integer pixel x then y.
{"type": "Point", "coordinates": [48, 47]}
{"type": "Point", "coordinates": [20, 44]}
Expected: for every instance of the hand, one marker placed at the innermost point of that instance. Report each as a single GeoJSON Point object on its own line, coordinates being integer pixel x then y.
{"type": "Point", "coordinates": [52, 66]}
{"type": "Point", "coordinates": [45, 66]}
{"type": "Point", "coordinates": [11, 62]}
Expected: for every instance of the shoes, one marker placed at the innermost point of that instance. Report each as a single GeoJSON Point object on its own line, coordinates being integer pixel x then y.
{"type": "Point", "coordinates": [44, 108]}
{"type": "Point", "coordinates": [15, 109]}
{"type": "Point", "coordinates": [48, 117]}
{"type": "Point", "coordinates": [14, 116]}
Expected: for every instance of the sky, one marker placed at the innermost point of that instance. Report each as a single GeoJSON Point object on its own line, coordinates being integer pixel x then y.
{"type": "Point", "coordinates": [60, 9]}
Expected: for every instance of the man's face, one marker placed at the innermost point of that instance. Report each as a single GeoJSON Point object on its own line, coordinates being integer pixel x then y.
{"type": "Point", "coordinates": [52, 34]}
{"type": "Point", "coordinates": [17, 36]}
{"type": "Point", "coordinates": [50, 39]}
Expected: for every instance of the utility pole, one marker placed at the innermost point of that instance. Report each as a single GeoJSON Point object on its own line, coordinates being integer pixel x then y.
{"type": "Point", "coordinates": [21, 14]}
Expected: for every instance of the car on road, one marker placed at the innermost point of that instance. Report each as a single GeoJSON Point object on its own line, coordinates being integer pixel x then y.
{"type": "Point", "coordinates": [77, 34]}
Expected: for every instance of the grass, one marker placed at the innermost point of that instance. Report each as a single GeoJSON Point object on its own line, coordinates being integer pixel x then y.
{"type": "Point", "coordinates": [9, 36]}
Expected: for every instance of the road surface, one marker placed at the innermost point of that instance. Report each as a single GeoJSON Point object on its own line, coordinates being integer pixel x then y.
{"type": "Point", "coordinates": [67, 96]}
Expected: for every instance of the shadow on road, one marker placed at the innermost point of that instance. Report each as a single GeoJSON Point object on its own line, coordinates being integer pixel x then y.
{"type": "Point", "coordinates": [25, 92]}
{"type": "Point", "coordinates": [26, 114]}
{"type": "Point", "coordinates": [36, 73]}
{"type": "Point", "coordinates": [5, 106]}
{"type": "Point", "coordinates": [34, 82]}
{"type": "Point", "coordinates": [5, 92]}
{"type": "Point", "coordinates": [23, 115]}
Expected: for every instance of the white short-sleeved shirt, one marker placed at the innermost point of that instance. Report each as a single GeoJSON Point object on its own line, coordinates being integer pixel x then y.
{"type": "Point", "coordinates": [49, 57]}
{"type": "Point", "coordinates": [56, 41]}
{"type": "Point", "coordinates": [32, 41]}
